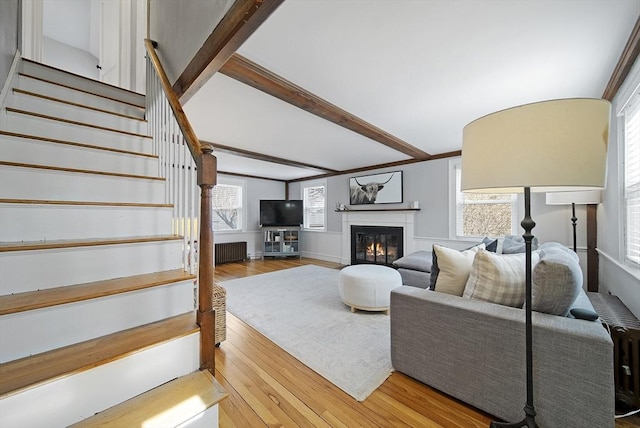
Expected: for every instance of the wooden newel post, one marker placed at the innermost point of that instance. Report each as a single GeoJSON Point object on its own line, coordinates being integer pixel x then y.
{"type": "Point", "coordinates": [207, 172]}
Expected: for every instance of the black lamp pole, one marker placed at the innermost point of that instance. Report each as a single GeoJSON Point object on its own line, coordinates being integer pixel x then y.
{"type": "Point", "coordinates": [530, 414]}
{"type": "Point", "coordinates": [574, 219]}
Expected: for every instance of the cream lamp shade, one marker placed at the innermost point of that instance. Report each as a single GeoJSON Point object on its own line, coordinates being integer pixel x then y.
{"type": "Point", "coordinates": [549, 146]}
{"type": "Point", "coordinates": [579, 198]}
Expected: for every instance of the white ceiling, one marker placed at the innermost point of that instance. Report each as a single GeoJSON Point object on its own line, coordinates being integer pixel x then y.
{"type": "Point", "coordinates": [418, 69]}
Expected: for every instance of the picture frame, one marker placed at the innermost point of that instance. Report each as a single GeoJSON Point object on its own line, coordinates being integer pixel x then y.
{"type": "Point", "coordinates": [383, 188]}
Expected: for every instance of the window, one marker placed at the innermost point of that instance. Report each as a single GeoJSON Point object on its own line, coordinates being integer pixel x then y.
{"type": "Point", "coordinates": [227, 207]}
{"type": "Point", "coordinates": [632, 179]}
{"type": "Point", "coordinates": [314, 197]}
{"type": "Point", "coordinates": [481, 214]}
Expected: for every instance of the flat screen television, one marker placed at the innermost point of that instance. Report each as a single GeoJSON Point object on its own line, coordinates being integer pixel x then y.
{"type": "Point", "coordinates": [280, 213]}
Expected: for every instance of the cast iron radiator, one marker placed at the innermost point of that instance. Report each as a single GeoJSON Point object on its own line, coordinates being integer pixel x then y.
{"type": "Point", "coordinates": [230, 252]}
{"type": "Point", "coordinates": [625, 333]}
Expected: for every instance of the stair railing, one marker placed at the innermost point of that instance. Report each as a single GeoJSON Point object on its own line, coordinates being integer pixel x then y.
{"type": "Point", "coordinates": [185, 163]}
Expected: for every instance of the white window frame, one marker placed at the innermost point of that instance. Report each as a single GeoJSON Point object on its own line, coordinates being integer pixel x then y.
{"type": "Point", "coordinates": [629, 190]}
{"type": "Point", "coordinates": [243, 211]}
{"type": "Point", "coordinates": [454, 205]}
{"type": "Point", "coordinates": [307, 185]}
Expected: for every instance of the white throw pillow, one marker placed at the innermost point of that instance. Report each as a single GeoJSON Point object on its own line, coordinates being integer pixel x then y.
{"type": "Point", "coordinates": [454, 268]}
{"type": "Point", "coordinates": [498, 278]}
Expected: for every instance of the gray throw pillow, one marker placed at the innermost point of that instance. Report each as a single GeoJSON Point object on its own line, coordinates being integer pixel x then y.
{"type": "Point", "coordinates": [556, 282]}
{"type": "Point", "coordinates": [556, 246]}
{"type": "Point", "coordinates": [490, 244]}
{"type": "Point", "coordinates": [514, 244]}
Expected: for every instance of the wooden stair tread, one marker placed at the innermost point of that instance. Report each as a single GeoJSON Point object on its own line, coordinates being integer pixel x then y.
{"type": "Point", "coordinates": [29, 371]}
{"type": "Point", "coordinates": [82, 203]}
{"type": "Point", "coordinates": [53, 82]}
{"type": "Point", "coordinates": [74, 122]}
{"type": "Point", "coordinates": [168, 405]}
{"type": "Point", "coordinates": [27, 301]}
{"type": "Point", "coordinates": [71, 243]}
{"type": "Point", "coordinates": [76, 144]}
{"type": "Point", "coordinates": [61, 101]}
{"type": "Point", "coordinates": [79, 171]}
{"type": "Point", "coordinates": [80, 76]}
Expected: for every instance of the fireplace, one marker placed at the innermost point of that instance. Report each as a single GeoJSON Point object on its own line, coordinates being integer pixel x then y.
{"type": "Point", "coordinates": [376, 244]}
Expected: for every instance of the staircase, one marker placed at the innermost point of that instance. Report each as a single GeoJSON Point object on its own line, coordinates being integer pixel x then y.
{"type": "Point", "coordinates": [96, 306]}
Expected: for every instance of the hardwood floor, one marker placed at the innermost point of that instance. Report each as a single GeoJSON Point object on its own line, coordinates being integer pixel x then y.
{"type": "Point", "coordinates": [268, 387]}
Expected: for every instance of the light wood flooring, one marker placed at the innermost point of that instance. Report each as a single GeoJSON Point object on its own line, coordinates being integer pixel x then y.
{"type": "Point", "coordinates": [268, 387]}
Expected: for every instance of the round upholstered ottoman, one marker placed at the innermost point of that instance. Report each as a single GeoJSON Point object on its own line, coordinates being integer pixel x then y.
{"type": "Point", "coordinates": [368, 287]}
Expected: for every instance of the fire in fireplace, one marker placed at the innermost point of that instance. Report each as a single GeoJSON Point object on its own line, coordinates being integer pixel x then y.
{"type": "Point", "coordinates": [376, 244]}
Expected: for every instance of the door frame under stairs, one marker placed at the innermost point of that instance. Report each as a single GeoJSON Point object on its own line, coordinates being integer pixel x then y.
{"type": "Point", "coordinates": [133, 27]}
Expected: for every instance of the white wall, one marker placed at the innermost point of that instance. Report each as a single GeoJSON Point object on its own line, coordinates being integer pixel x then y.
{"type": "Point", "coordinates": [68, 58]}
{"type": "Point", "coordinates": [185, 26]}
{"type": "Point", "coordinates": [9, 30]}
{"type": "Point", "coordinates": [617, 277]}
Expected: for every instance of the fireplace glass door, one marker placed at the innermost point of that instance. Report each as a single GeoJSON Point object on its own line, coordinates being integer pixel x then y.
{"type": "Point", "coordinates": [375, 244]}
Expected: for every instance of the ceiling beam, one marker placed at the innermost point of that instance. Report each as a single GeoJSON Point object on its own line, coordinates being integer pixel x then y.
{"type": "Point", "coordinates": [266, 158]}
{"type": "Point", "coordinates": [258, 77]}
{"type": "Point", "coordinates": [379, 166]}
{"type": "Point", "coordinates": [628, 57]}
{"type": "Point", "coordinates": [237, 174]}
{"type": "Point", "coordinates": [243, 18]}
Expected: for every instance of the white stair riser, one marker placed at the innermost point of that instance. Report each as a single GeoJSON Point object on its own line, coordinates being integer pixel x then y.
{"type": "Point", "coordinates": [80, 114]}
{"type": "Point", "coordinates": [89, 85]}
{"type": "Point", "coordinates": [29, 125]}
{"type": "Point", "coordinates": [33, 183]}
{"type": "Point", "coordinates": [30, 222]}
{"type": "Point", "coordinates": [207, 419]}
{"type": "Point", "coordinates": [22, 271]}
{"type": "Point", "coordinates": [25, 150]}
{"type": "Point", "coordinates": [73, 398]}
{"type": "Point", "coordinates": [33, 332]}
{"type": "Point", "coordinates": [56, 91]}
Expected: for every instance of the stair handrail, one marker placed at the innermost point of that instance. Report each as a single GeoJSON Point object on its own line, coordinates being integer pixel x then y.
{"type": "Point", "coordinates": [180, 170]}
{"type": "Point", "coordinates": [190, 136]}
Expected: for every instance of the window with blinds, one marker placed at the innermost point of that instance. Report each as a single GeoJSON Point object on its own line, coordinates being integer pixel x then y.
{"type": "Point", "coordinates": [632, 179]}
{"type": "Point", "coordinates": [483, 214]}
{"type": "Point", "coordinates": [314, 207]}
{"type": "Point", "coordinates": [227, 207]}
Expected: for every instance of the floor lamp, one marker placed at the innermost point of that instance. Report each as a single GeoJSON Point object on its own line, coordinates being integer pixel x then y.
{"type": "Point", "coordinates": [581, 198]}
{"type": "Point", "coordinates": [549, 146]}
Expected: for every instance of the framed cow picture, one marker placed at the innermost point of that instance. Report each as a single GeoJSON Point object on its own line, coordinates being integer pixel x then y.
{"type": "Point", "coordinates": [385, 188]}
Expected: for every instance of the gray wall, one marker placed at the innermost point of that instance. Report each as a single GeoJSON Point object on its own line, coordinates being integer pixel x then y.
{"type": "Point", "coordinates": [185, 25]}
{"type": "Point", "coordinates": [256, 189]}
{"type": "Point", "coordinates": [428, 183]}
{"type": "Point", "coordinates": [9, 35]}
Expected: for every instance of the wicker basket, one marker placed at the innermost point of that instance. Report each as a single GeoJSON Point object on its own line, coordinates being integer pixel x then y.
{"type": "Point", "coordinates": [219, 303]}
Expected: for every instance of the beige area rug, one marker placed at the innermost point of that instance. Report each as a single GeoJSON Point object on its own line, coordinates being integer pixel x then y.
{"type": "Point", "coordinates": [300, 310]}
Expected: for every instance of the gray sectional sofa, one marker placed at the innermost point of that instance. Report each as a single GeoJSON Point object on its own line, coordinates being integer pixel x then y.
{"type": "Point", "coordinates": [474, 350]}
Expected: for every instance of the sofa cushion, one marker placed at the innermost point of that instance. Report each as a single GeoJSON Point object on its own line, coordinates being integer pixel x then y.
{"type": "Point", "coordinates": [415, 278]}
{"type": "Point", "coordinates": [420, 260]}
{"type": "Point", "coordinates": [556, 281]}
{"type": "Point", "coordinates": [453, 268]}
{"type": "Point", "coordinates": [498, 278]}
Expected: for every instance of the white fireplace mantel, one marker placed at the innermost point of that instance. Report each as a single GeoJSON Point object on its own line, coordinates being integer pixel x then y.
{"type": "Point", "coordinates": [396, 218]}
